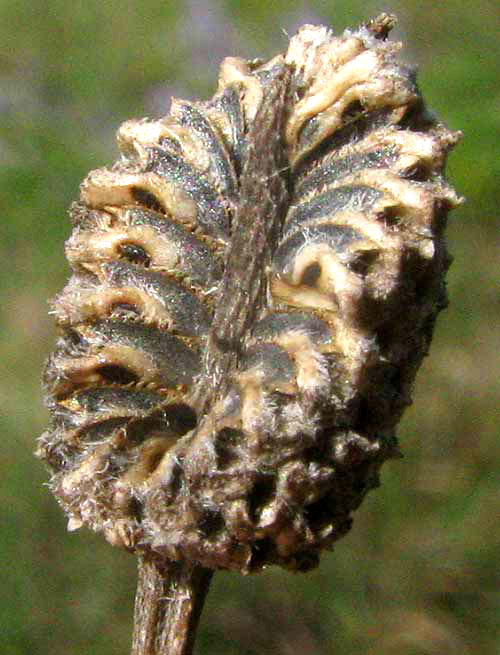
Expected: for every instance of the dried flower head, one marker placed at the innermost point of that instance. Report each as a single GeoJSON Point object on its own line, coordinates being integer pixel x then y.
{"type": "Point", "coordinates": [254, 286]}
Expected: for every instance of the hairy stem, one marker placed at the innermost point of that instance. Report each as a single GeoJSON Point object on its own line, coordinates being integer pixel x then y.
{"type": "Point", "coordinates": [168, 605]}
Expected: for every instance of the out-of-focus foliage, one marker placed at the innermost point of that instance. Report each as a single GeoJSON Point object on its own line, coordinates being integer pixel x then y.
{"type": "Point", "coordinates": [419, 574]}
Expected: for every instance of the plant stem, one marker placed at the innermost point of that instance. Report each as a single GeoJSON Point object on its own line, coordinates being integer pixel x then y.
{"type": "Point", "coordinates": [168, 605]}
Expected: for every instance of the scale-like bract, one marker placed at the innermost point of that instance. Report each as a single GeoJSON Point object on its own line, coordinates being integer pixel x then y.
{"type": "Point", "coordinates": [254, 286]}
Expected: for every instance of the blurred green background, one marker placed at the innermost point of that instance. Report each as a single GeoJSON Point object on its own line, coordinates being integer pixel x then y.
{"type": "Point", "coordinates": [419, 573]}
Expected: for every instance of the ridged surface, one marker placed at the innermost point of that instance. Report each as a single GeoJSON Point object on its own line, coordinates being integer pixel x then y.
{"type": "Point", "coordinates": [254, 286]}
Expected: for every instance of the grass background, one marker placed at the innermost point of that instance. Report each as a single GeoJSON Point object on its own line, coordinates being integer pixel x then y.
{"type": "Point", "coordinates": [419, 573]}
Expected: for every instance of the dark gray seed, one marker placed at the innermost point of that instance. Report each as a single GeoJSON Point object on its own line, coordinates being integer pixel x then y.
{"type": "Point", "coordinates": [338, 237]}
{"type": "Point", "coordinates": [229, 102]}
{"type": "Point", "coordinates": [272, 360]}
{"type": "Point", "coordinates": [327, 204]}
{"type": "Point", "coordinates": [176, 362]}
{"type": "Point", "coordinates": [195, 258]}
{"type": "Point", "coordinates": [277, 324]}
{"type": "Point", "coordinates": [334, 170]}
{"type": "Point", "coordinates": [190, 116]}
{"type": "Point", "coordinates": [211, 213]}
{"type": "Point", "coordinates": [188, 314]}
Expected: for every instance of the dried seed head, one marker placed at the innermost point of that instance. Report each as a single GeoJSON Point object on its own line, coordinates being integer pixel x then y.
{"type": "Point", "coordinates": [254, 287]}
